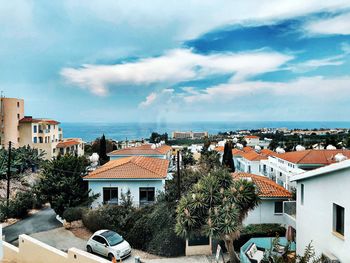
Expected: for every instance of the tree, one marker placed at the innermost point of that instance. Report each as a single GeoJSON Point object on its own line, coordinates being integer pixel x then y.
{"type": "Point", "coordinates": [187, 157]}
{"type": "Point", "coordinates": [209, 160]}
{"type": "Point", "coordinates": [216, 207]}
{"type": "Point", "coordinates": [103, 150]}
{"type": "Point", "coordinates": [157, 137]}
{"type": "Point", "coordinates": [227, 158]}
{"type": "Point", "coordinates": [62, 183]}
{"type": "Point", "coordinates": [126, 200]}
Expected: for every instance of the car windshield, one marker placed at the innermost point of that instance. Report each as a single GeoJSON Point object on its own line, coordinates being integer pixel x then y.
{"type": "Point", "coordinates": [112, 237]}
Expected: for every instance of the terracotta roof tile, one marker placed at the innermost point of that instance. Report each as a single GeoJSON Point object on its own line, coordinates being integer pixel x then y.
{"type": "Point", "coordinates": [145, 149]}
{"type": "Point", "coordinates": [31, 120]}
{"type": "Point", "coordinates": [324, 157]}
{"type": "Point", "coordinates": [251, 137]}
{"type": "Point", "coordinates": [135, 167]}
{"type": "Point", "coordinates": [68, 142]}
{"type": "Point", "coordinates": [267, 188]}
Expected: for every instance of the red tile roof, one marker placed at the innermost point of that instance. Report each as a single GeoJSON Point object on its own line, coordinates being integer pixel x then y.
{"type": "Point", "coordinates": [251, 137]}
{"type": "Point", "coordinates": [28, 119]}
{"type": "Point", "coordinates": [145, 149]}
{"type": "Point", "coordinates": [135, 167]}
{"type": "Point", "coordinates": [324, 157]}
{"type": "Point", "coordinates": [267, 188]}
{"type": "Point", "coordinates": [235, 151]}
{"type": "Point", "coordinates": [68, 142]}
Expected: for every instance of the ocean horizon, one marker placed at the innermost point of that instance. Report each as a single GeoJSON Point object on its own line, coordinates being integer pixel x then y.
{"type": "Point", "coordinates": [138, 130]}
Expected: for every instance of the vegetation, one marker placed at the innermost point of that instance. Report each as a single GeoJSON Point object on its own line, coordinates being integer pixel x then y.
{"type": "Point", "coordinates": [62, 183]}
{"type": "Point", "coordinates": [216, 207]}
{"type": "Point", "coordinates": [95, 146]}
{"type": "Point", "coordinates": [157, 137]}
{"type": "Point", "coordinates": [227, 158]}
{"type": "Point", "coordinates": [73, 213]}
{"type": "Point", "coordinates": [187, 157]}
{"type": "Point", "coordinates": [103, 150]}
{"type": "Point", "coordinates": [209, 160]}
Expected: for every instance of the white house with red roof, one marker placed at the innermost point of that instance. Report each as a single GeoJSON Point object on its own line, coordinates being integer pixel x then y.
{"type": "Point", "coordinates": [272, 195]}
{"type": "Point", "coordinates": [282, 167]}
{"type": "Point", "coordinates": [323, 211]}
{"type": "Point", "coordinates": [143, 176]}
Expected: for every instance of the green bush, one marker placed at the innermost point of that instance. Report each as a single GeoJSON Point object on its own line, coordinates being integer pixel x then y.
{"type": "Point", "coordinates": [73, 213]}
{"type": "Point", "coordinates": [18, 207]}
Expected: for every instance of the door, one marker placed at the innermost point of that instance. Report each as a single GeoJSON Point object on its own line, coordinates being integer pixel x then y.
{"type": "Point", "coordinates": [99, 245]}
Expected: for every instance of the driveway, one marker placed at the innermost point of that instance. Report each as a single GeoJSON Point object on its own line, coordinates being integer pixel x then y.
{"type": "Point", "coordinates": [43, 220]}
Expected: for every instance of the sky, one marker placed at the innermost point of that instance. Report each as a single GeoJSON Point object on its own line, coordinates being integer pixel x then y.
{"type": "Point", "coordinates": [194, 60]}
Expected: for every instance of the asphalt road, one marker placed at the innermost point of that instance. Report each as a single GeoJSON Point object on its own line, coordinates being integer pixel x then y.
{"type": "Point", "coordinates": [43, 220]}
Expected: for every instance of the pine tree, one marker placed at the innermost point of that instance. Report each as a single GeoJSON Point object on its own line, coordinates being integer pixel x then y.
{"type": "Point", "coordinates": [227, 158]}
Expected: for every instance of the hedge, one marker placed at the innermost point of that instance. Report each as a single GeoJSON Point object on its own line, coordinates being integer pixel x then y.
{"type": "Point", "coordinates": [73, 213]}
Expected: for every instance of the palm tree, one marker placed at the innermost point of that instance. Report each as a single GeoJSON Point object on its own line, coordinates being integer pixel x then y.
{"type": "Point", "coordinates": [216, 207]}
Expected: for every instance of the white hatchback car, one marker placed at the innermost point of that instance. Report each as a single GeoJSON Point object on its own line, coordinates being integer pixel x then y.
{"type": "Point", "coordinates": [109, 244]}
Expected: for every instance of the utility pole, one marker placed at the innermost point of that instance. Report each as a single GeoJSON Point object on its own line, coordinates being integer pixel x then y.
{"type": "Point", "coordinates": [8, 176]}
{"type": "Point", "coordinates": [178, 176]}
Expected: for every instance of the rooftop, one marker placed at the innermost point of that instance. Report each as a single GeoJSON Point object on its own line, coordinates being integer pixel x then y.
{"type": "Point", "coordinates": [324, 157]}
{"type": "Point", "coordinates": [251, 137]}
{"type": "Point", "coordinates": [267, 188]}
{"type": "Point", "coordinates": [30, 119]}
{"type": "Point", "coordinates": [135, 167]}
{"type": "Point", "coordinates": [145, 149]}
{"type": "Point", "coordinates": [69, 142]}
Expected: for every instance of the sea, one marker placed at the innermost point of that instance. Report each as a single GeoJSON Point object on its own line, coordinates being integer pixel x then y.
{"type": "Point", "coordinates": [142, 130]}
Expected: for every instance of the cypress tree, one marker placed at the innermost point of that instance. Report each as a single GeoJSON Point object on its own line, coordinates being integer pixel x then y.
{"type": "Point", "coordinates": [227, 158]}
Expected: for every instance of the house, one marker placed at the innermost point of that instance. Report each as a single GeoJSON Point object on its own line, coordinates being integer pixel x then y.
{"type": "Point", "coordinates": [272, 195]}
{"type": "Point", "coordinates": [323, 210]}
{"type": "Point", "coordinates": [253, 141]}
{"type": "Point", "coordinates": [282, 167]}
{"type": "Point", "coordinates": [74, 146]}
{"type": "Point", "coordinates": [249, 162]}
{"type": "Point", "coordinates": [160, 151]}
{"type": "Point", "coordinates": [11, 111]}
{"type": "Point", "coordinates": [143, 176]}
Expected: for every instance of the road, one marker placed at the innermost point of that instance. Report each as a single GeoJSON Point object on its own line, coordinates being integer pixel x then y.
{"type": "Point", "coordinates": [43, 220]}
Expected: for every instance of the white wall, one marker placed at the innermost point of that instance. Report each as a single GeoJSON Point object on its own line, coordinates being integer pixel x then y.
{"type": "Point", "coordinates": [315, 217]}
{"type": "Point", "coordinates": [123, 185]}
{"type": "Point", "coordinates": [265, 214]}
{"type": "Point", "coordinates": [161, 156]}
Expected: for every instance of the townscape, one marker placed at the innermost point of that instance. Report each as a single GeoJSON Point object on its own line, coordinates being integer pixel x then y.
{"type": "Point", "coordinates": [243, 192]}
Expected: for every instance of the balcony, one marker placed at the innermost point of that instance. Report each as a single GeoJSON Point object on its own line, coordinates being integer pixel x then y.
{"type": "Point", "coordinates": [290, 213]}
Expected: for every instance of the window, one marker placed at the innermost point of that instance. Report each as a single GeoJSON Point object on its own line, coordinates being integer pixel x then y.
{"type": "Point", "coordinates": [147, 195]}
{"type": "Point", "coordinates": [17, 104]}
{"type": "Point", "coordinates": [338, 219]}
{"type": "Point", "coordinates": [279, 207]}
{"type": "Point", "coordinates": [35, 129]}
{"type": "Point", "coordinates": [35, 139]}
{"type": "Point", "coordinates": [18, 116]}
{"type": "Point", "coordinates": [110, 195]}
{"type": "Point", "coordinates": [302, 194]}
{"type": "Point", "coordinates": [99, 239]}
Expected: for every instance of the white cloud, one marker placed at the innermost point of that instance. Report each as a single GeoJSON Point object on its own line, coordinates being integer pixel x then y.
{"type": "Point", "coordinates": [159, 99]}
{"type": "Point", "coordinates": [149, 100]}
{"type": "Point", "coordinates": [306, 87]}
{"type": "Point", "coordinates": [339, 25]}
{"type": "Point", "coordinates": [175, 66]}
{"type": "Point", "coordinates": [194, 17]}
{"type": "Point", "coordinates": [316, 63]}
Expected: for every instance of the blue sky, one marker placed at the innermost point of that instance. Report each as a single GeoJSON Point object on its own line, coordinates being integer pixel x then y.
{"type": "Point", "coordinates": [121, 61]}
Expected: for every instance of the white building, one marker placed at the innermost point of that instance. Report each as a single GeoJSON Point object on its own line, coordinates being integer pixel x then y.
{"type": "Point", "coordinates": [282, 167]}
{"type": "Point", "coordinates": [249, 162]}
{"type": "Point", "coordinates": [160, 151]}
{"type": "Point", "coordinates": [272, 196]}
{"type": "Point", "coordinates": [323, 210]}
{"type": "Point", "coordinates": [189, 135]}
{"type": "Point", "coordinates": [253, 141]}
{"type": "Point", "coordinates": [143, 176]}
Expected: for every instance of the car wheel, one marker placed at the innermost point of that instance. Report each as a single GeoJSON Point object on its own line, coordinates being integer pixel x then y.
{"type": "Point", "coordinates": [89, 249]}
{"type": "Point", "coordinates": [110, 256]}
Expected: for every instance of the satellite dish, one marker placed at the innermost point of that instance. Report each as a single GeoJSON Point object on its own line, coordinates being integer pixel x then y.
{"type": "Point", "coordinates": [94, 158]}
{"type": "Point", "coordinates": [339, 157]}
{"type": "Point", "coordinates": [300, 148]}
{"type": "Point", "coordinates": [280, 150]}
{"type": "Point", "coordinates": [239, 146]}
{"type": "Point", "coordinates": [331, 147]}
{"type": "Point", "coordinates": [257, 148]}
{"type": "Point", "coordinates": [153, 146]}
{"type": "Point", "coordinates": [234, 140]}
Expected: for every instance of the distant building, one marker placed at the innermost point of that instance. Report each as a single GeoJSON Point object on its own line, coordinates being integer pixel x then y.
{"type": "Point", "coordinates": [323, 211]}
{"type": "Point", "coordinates": [189, 135]}
{"type": "Point", "coordinates": [11, 111]}
{"type": "Point", "coordinates": [272, 195]}
{"type": "Point", "coordinates": [74, 146]}
{"type": "Point", "coordinates": [143, 176]}
{"type": "Point", "coordinates": [253, 141]}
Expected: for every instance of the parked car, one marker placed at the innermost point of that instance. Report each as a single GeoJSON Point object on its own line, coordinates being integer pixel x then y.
{"type": "Point", "coordinates": [109, 244]}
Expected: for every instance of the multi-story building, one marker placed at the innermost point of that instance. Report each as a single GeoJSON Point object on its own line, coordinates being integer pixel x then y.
{"type": "Point", "coordinates": [253, 141]}
{"type": "Point", "coordinates": [322, 211]}
{"type": "Point", "coordinates": [282, 167]}
{"type": "Point", "coordinates": [11, 111]}
{"type": "Point", "coordinates": [189, 135]}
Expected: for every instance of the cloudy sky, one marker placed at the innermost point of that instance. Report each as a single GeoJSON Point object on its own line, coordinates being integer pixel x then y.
{"type": "Point", "coordinates": [194, 60]}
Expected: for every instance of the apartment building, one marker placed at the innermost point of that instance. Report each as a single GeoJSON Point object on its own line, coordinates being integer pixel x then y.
{"type": "Point", "coordinates": [189, 135]}
{"type": "Point", "coordinates": [43, 134]}
{"type": "Point", "coordinates": [11, 111]}
{"type": "Point", "coordinates": [282, 167]}
{"type": "Point", "coordinates": [253, 141]}
{"type": "Point", "coordinates": [322, 208]}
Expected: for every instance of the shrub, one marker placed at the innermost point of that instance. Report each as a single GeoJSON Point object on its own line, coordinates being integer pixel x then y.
{"type": "Point", "coordinates": [18, 207]}
{"type": "Point", "coordinates": [73, 213]}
